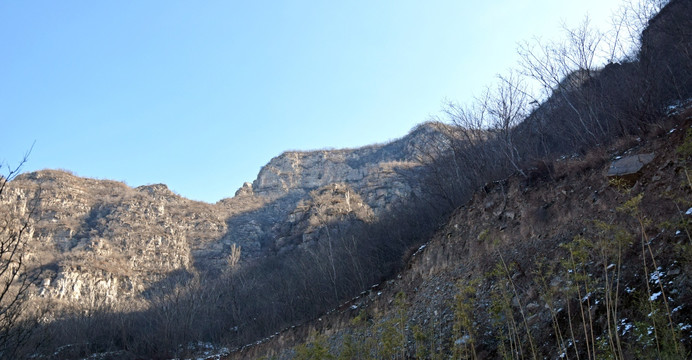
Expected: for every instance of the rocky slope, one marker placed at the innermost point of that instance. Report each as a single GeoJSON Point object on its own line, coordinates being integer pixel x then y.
{"type": "Point", "coordinates": [511, 253]}
{"type": "Point", "coordinates": [100, 241]}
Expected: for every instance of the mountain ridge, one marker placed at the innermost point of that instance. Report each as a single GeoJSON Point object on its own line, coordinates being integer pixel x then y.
{"type": "Point", "coordinates": [497, 236]}
{"type": "Point", "coordinates": [147, 232]}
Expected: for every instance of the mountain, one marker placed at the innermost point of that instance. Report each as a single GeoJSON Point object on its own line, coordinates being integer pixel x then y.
{"type": "Point", "coordinates": [100, 240]}
{"type": "Point", "coordinates": [525, 230]}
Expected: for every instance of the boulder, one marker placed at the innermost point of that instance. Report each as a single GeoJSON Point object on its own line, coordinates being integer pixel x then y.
{"type": "Point", "coordinates": [629, 165]}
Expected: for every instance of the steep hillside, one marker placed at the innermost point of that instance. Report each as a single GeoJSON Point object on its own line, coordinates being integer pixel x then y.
{"type": "Point", "coordinates": [576, 263]}
{"type": "Point", "coordinates": [561, 253]}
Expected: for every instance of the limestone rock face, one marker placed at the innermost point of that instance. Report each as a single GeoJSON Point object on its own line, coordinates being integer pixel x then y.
{"type": "Point", "coordinates": [376, 172]}
{"type": "Point", "coordinates": [324, 207]}
{"type": "Point", "coordinates": [103, 242]}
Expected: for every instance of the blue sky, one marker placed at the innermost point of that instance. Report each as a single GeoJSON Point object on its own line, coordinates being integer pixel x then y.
{"type": "Point", "coordinates": [200, 94]}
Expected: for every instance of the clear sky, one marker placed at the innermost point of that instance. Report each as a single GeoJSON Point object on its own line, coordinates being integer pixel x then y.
{"type": "Point", "coordinates": [200, 94]}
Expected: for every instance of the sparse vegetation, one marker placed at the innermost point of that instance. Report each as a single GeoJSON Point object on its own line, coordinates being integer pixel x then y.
{"type": "Point", "coordinates": [540, 284]}
{"type": "Point", "coordinates": [587, 297]}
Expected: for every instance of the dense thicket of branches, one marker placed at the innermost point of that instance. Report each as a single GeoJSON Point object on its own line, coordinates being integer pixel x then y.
{"type": "Point", "coordinates": [17, 323]}
{"type": "Point", "coordinates": [565, 98]}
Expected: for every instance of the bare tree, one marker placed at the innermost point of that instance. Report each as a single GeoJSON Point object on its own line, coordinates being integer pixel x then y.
{"type": "Point", "coordinates": [508, 105]}
{"type": "Point", "coordinates": [234, 257]}
{"type": "Point", "coordinates": [562, 68]}
{"type": "Point", "coordinates": [16, 326]}
{"type": "Point", "coordinates": [634, 16]}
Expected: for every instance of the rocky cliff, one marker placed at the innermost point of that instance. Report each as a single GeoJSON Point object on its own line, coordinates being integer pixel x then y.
{"type": "Point", "coordinates": [377, 172]}
{"type": "Point", "coordinates": [100, 241]}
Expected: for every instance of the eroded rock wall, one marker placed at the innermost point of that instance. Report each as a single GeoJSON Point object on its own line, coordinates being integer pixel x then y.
{"type": "Point", "coordinates": [101, 241]}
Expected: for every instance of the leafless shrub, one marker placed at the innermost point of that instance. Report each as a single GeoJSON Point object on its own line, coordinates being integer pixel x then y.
{"type": "Point", "coordinates": [17, 322]}
{"type": "Point", "coordinates": [234, 257]}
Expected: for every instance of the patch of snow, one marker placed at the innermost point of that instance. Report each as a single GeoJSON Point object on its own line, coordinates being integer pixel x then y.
{"type": "Point", "coordinates": [689, 211]}
{"type": "Point", "coordinates": [675, 108]}
{"type": "Point", "coordinates": [379, 293]}
{"type": "Point", "coordinates": [671, 131]}
{"type": "Point", "coordinates": [655, 296]}
{"type": "Point", "coordinates": [354, 307]}
{"type": "Point", "coordinates": [677, 309]}
{"type": "Point", "coordinates": [684, 327]}
{"type": "Point", "coordinates": [463, 340]}
{"type": "Point", "coordinates": [678, 232]}
{"type": "Point", "coordinates": [207, 351]}
{"type": "Point", "coordinates": [656, 276]}
{"type": "Point", "coordinates": [610, 266]}
{"type": "Point", "coordinates": [629, 290]}
{"type": "Point", "coordinates": [625, 326]}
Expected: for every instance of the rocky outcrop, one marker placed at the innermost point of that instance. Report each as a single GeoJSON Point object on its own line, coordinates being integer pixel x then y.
{"type": "Point", "coordinates": [245, 190]}
{"type": "Point", "coordinates": [335, 205]}
{"type": "Point", "coordinates": [378, 173]}
{"type": "Point", "coordinates": [100, 241]}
